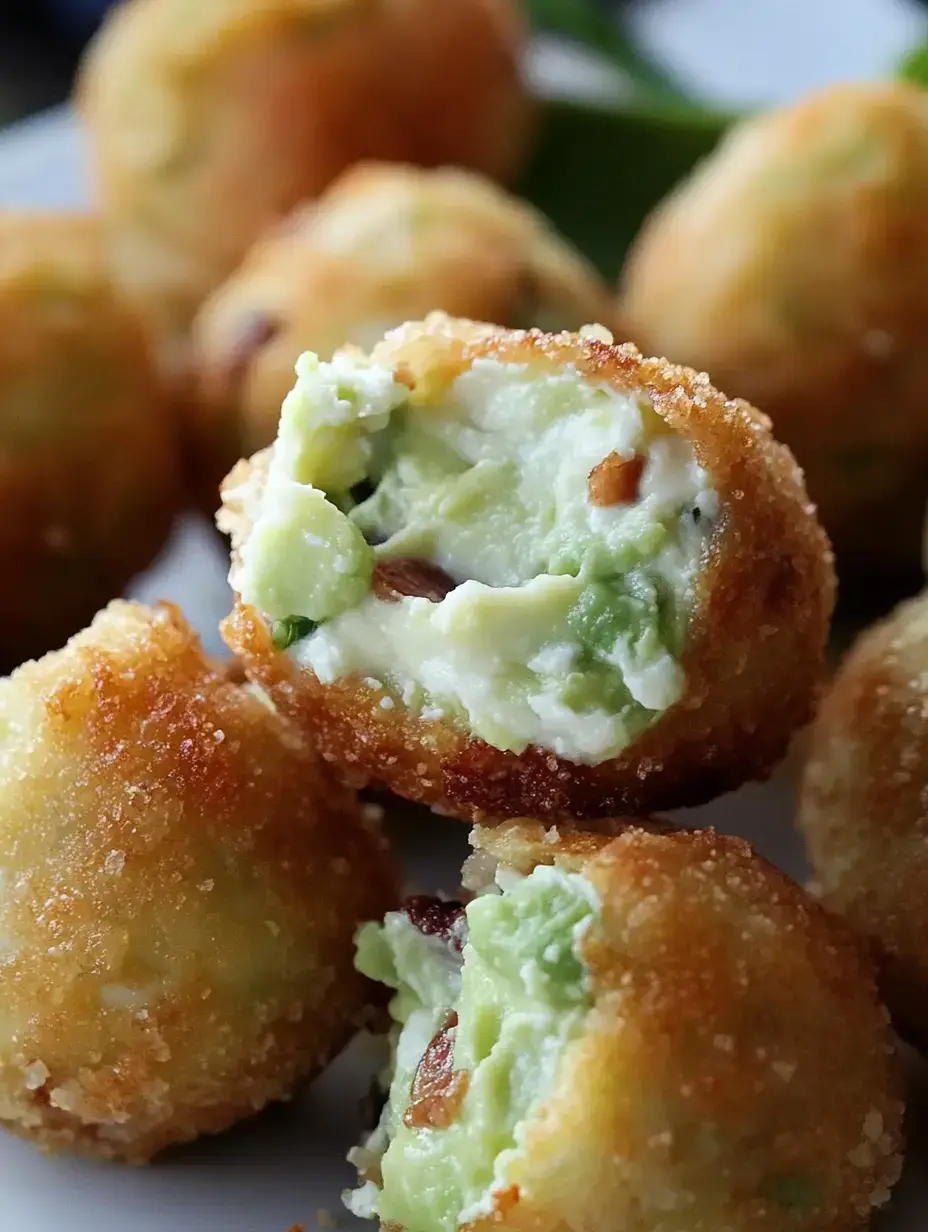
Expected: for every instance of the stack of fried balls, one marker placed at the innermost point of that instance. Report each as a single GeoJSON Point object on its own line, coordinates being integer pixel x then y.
{"type": "Point", "coordinates": [487, 559]}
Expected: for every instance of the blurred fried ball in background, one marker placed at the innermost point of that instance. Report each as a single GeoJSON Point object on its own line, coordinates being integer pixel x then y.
{"type": "Point", "coordinates": [88, 468]}
{"type": "Point", "coordinates": [864, 804]}
{"type": "Point", "coordinates": [209, 121]}
{"type": "Point", "coordinates": [792, 267]}
{"type": "Point", "coordinates": [386, 244]}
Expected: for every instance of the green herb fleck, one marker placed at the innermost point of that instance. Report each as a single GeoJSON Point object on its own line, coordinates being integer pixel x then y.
{"type": "Point", "coordinates": [285, 632]}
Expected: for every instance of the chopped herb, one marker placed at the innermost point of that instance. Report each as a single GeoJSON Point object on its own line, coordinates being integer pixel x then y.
{"type": "Point", "coordinates": [285, 632]}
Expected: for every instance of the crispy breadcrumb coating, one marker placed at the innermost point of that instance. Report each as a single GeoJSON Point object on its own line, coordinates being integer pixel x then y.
{"type": "Point", "coordinates": [753, 650]}
{"type": "Point", "coordinates": [745, 1014]}
{"type": "Point", "coordinates": [210, 121]}
{"type": "Point", "coordinates": [88, 466]}
{"type": "Point", "coordinates": [386, 244]}
{"type": "Point", "coordinates": [864, 804]}
{"type": "Point", "coordinates": [181, 884]}
{"type": "Point", "coordinates": [790, 267]}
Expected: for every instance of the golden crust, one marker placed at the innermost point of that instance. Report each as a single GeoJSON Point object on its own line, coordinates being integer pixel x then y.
{"type": "Point", "coordinates": [789, 266]}
{"type": "Point", "coordinates": [88, 484]}
{"type": "Point", "coordinates": [385, 244]}
{"type": "Point", "coordinates": [765, 1093]}
{"type": "Point", "coordinates": [210, 122]}
{"type": "Point", "coordinates": [522, 844]}
{"type": "Point", "coordinates": [181, 887]}
{"type": "Point", "coordinates": [754, 649]}
{"type": "Point", "coordinates": [864, 804]}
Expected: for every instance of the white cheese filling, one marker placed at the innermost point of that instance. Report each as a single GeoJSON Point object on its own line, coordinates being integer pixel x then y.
{"type": "Point", "coordinates": [493, 486]}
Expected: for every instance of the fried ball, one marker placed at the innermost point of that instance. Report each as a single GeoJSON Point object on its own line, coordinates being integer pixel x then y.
{"type": "Point", "coordinates": [510, 573]}
{"type": "Point", "coordinates": [181, 884]}
{"type": "Point", "coordinates": [386, 244]}
{"type": "Point", "coordinates": [88, 483]}
{"type": "Point", "coordinates": [209, 121]}
{"type": "Point", "coordinates": [864, 804]}
{"type": "Point", "coordinates": [659, 1033]}
{"type": "Point", "coordinates": [793, 267]}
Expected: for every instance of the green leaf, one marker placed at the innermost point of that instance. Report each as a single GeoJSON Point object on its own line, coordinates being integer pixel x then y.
{"type": "Point", "coordinates": [592, 25]}
{"type": "Point", "coordinates": [597, 172]}
{"type": "Point", "coordinates": [285, 632]}
{"type": "Point", "coordinates": [914, 65]}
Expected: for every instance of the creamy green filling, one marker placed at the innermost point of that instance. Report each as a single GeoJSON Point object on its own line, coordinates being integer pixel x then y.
{"type": "Point", "coordinates": [568, 617]}
{"type": "Point", "coordinates": [521, 997]}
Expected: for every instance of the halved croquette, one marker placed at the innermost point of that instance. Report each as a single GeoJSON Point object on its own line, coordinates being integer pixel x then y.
{"type": "Point", "coordinates": [507, 572]}
{"type": "Point", "coordinates": [659, 1033]}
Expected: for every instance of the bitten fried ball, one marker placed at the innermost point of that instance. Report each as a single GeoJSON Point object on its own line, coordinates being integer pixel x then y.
{"type": "Point", "coordinates": [659, 1033]}
{"type": "Point", "coordinates": [511, 573]}
{"type": "Point", "coordinates": [181, 884]}
{"type": "Point", "coordinates": [793, 267]}
{"type": "Point", "coordinates": [864, 804]}
{"type": "Point", "coordinates": [210, 121]}
{"type": "Point", "coordinates": [88, 467]}
{"type": "Point", "coordinates": [386, 244]}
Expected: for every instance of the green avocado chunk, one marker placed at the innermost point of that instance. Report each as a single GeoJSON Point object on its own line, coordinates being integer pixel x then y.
{"type": "Point", "coordinates": [520, 994]}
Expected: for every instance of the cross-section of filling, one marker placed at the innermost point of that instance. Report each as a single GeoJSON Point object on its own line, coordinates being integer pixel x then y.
{"type": "Point", "coordinates": [488, 998]}
{"type": "Point", "coordinates": [513, 552]}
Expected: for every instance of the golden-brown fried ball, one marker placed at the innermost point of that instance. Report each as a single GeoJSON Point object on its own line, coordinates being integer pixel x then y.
{"type": "Point", "coordinates": [864, 803]}
{"type": "Point", "coordinates": [181, 884]}
{"type": "Point", "coordinates": [793, 267]}
{"type": "Point", "coordinates": [210, 121]}
{"type": "Point", "coordinates": [88, 466]}
{"type": "Point", "coordinates": [386, 244]}
{"type": "Point", "coordinates": [511, 573]}
{"type": "Point", "coordinates": [659, 1033]}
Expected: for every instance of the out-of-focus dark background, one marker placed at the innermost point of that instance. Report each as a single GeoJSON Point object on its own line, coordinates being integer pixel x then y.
{"type": "Point", "coordinates": [40, 41]}
{"type": "Point", "coordinates": [737, 51]}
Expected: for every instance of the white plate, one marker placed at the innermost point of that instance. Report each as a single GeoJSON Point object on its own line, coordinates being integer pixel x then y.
{"type": "Point", "coordinates": [287, 1165]}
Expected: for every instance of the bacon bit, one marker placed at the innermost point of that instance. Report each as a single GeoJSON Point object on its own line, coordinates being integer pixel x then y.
{"type": "Point", "coordinates": [402, 373]}
{"type": "Point", "coordinates": [615, 481]}
{"type": "Point", "coordinates": [437, 1090]}
{"type": "Point", "coordinates": [436, 918]}
{"type": "Point", "coordinates": [505, 1200]}
{"type": "Point", "coordinates": [408, 576]}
